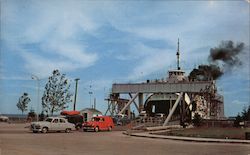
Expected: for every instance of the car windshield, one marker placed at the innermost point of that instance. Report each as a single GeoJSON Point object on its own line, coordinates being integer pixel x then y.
{"type": "Point", "coordinates": [48, 119]}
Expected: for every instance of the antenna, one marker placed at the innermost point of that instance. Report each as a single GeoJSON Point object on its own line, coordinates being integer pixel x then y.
{"type": "Point", "coordinates": [178, 57]}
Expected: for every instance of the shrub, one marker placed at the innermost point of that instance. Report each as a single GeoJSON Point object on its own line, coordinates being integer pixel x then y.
{"type": "Point", "coordinates": [197, 120]}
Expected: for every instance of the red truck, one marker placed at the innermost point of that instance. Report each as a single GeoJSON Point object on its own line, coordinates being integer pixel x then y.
{"type": "Point", "coordinates": [99, 123]}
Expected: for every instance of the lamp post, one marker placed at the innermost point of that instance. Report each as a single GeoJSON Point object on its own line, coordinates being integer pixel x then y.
{"type": "Point", "coordinates": [34, 77]}
{"type": "Point", "coordinates": [77, 79]}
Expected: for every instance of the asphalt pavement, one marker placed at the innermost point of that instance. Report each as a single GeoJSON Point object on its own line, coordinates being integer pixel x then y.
{"type": "Point", "coordinates": [15, 139]}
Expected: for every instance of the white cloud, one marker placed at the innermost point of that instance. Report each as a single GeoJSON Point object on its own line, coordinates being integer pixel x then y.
{"type": "Point", "coordinates": [197, 24]}
{"type": "Point", "coordinates": [74, 52]}
{"type": "Point", "coordinates": [157, 61]}
{"type": "Point", "coordinates": [53, 26]}
{"type": "Point", "coordinates": [3, 77]}
{"type": "Point", "coordinates": [101, 84]}
{"type": "Point", "coordinates": [62, 20]}
{"type": "Point", "coordinates": [238, 102]}
{"type": "Point", "coordinates": [233, 92]}
{"type": "Point", "coordinates": [43, 66]}
{"type": "Point", "coordinates": [136, 51]}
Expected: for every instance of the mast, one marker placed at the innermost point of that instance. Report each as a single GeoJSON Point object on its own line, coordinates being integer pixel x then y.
{"type": "Point", "coordinates": [178, 57]}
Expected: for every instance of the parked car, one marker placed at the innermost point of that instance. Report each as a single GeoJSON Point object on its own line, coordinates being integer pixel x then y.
{"type": "Point", "coordinates": [143, 115]}
{"type": "Point", "coordinates": [4, 118]}
{"type": "Point", "coordinates": [159, 115]}
{"type": "Point", "coordinates": [121, 119]}
{"type": "Point", "coordinates": [99, 123]}
{"type": "Point", "coordinates": [52, 124]}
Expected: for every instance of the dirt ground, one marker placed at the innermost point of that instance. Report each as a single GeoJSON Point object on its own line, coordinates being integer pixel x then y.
{"type": "Point", "coordinates": [15, 139]}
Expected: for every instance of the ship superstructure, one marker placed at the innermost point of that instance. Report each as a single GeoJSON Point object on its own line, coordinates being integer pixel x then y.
{"type": "Point", "coordinates": [175, 96]}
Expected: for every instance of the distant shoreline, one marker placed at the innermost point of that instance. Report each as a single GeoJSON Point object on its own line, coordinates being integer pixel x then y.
{"type": "Point", "coordinates": [15, 115]}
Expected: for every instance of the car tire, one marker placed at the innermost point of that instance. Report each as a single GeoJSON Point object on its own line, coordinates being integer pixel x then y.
{"type": "Point", "coordinates": [44, 130]}
{"type": "Point", "coordinates": [109, 128]}
{"type": "Point", "coordinates": [78, 127]}
{"type": "Point", "coordinates": [96, 129]}
{"type": "Point", "coordinates": [35, 132]}
{"type": "Point", "coordinates": [67, 130]}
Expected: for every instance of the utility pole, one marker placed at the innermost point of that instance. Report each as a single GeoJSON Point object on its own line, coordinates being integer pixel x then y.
{"type": "Point", "coordinates": [34, 77]}
{"type": "Point", "coordinates": [94, 103]}
{"type": "Point", "coordinates": [75, 93]}
{"type": "Point", "coordinates": [90, 93]}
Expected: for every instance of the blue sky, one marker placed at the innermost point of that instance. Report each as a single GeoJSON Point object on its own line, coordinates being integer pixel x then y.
{"type": "Point", "coordinates": [102, 42]}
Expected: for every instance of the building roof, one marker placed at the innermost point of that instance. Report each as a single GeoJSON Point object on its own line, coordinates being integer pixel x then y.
{"type": "Point", "coordinates": [91, 109]}
{"type": "Point", "coordinates": [72, 112]}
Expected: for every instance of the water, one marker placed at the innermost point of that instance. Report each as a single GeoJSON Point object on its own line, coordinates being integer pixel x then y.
{"type": "Point", "coordinates": [15, 115]}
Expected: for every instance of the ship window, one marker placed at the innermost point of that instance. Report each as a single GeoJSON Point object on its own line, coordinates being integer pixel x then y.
{"type": "Point", "coordinates": [153, 109]}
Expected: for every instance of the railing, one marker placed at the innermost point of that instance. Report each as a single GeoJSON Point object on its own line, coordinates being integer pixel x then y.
{"type": "Point", "coordinates": [194, 87]}
{"type": "Point", "coordinates": [141, 123]}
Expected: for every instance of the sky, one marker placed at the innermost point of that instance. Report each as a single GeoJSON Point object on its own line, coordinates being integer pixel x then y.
{"type": "Point", "coordinates": [105, 42]}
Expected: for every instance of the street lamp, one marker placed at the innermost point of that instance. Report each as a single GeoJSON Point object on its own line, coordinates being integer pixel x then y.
{"type": "Point", "coordinates": [34, 77]}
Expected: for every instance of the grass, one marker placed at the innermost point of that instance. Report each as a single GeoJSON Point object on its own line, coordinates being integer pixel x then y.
{"type": "Point", "coordinates": [221, 133]}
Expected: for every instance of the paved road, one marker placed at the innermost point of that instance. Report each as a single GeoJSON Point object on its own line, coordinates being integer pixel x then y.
{"type": "Point", "coordinates": [19, 141]}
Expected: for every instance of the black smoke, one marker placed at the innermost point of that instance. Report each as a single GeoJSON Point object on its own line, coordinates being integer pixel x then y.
{"type": "Point", "coordinates": [222, 59]}
{"type": "Point", "coordinates": [205, 73]}
{"type": "Point", "coordinates": [227, 53]}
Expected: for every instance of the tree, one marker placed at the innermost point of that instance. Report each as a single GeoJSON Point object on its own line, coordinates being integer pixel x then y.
{"type": "Point", "coordinates": [56, 94]}
{"type": "Point", "coordinates": [31, 115]}
{"type": "Point", "coordinates": [197, 120]}
{"type": "Point", "coordinates": [245, 116]}
{"type": "Point", "coordinates": [23, 102]}
{"type": "Point", "coordinates": [246, 113]}
{"type": "Point", "coordinates": [237, 120]}
{"type": "Point", "coordinates": [41, 116]}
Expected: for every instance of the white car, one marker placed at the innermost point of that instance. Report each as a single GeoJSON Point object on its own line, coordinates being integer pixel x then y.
{"type": "Point", "coordinates": [52, 124]}
{"type": "Point", "coordinates": [159, 115]}
{"type": "Point", "coordinates": [143, 115]}
{"type": "Point", "coordinates": [4, 118]}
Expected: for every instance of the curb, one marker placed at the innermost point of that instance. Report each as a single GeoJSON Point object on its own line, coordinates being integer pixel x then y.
{"type": "Point", "coordinates": [192, 139]}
